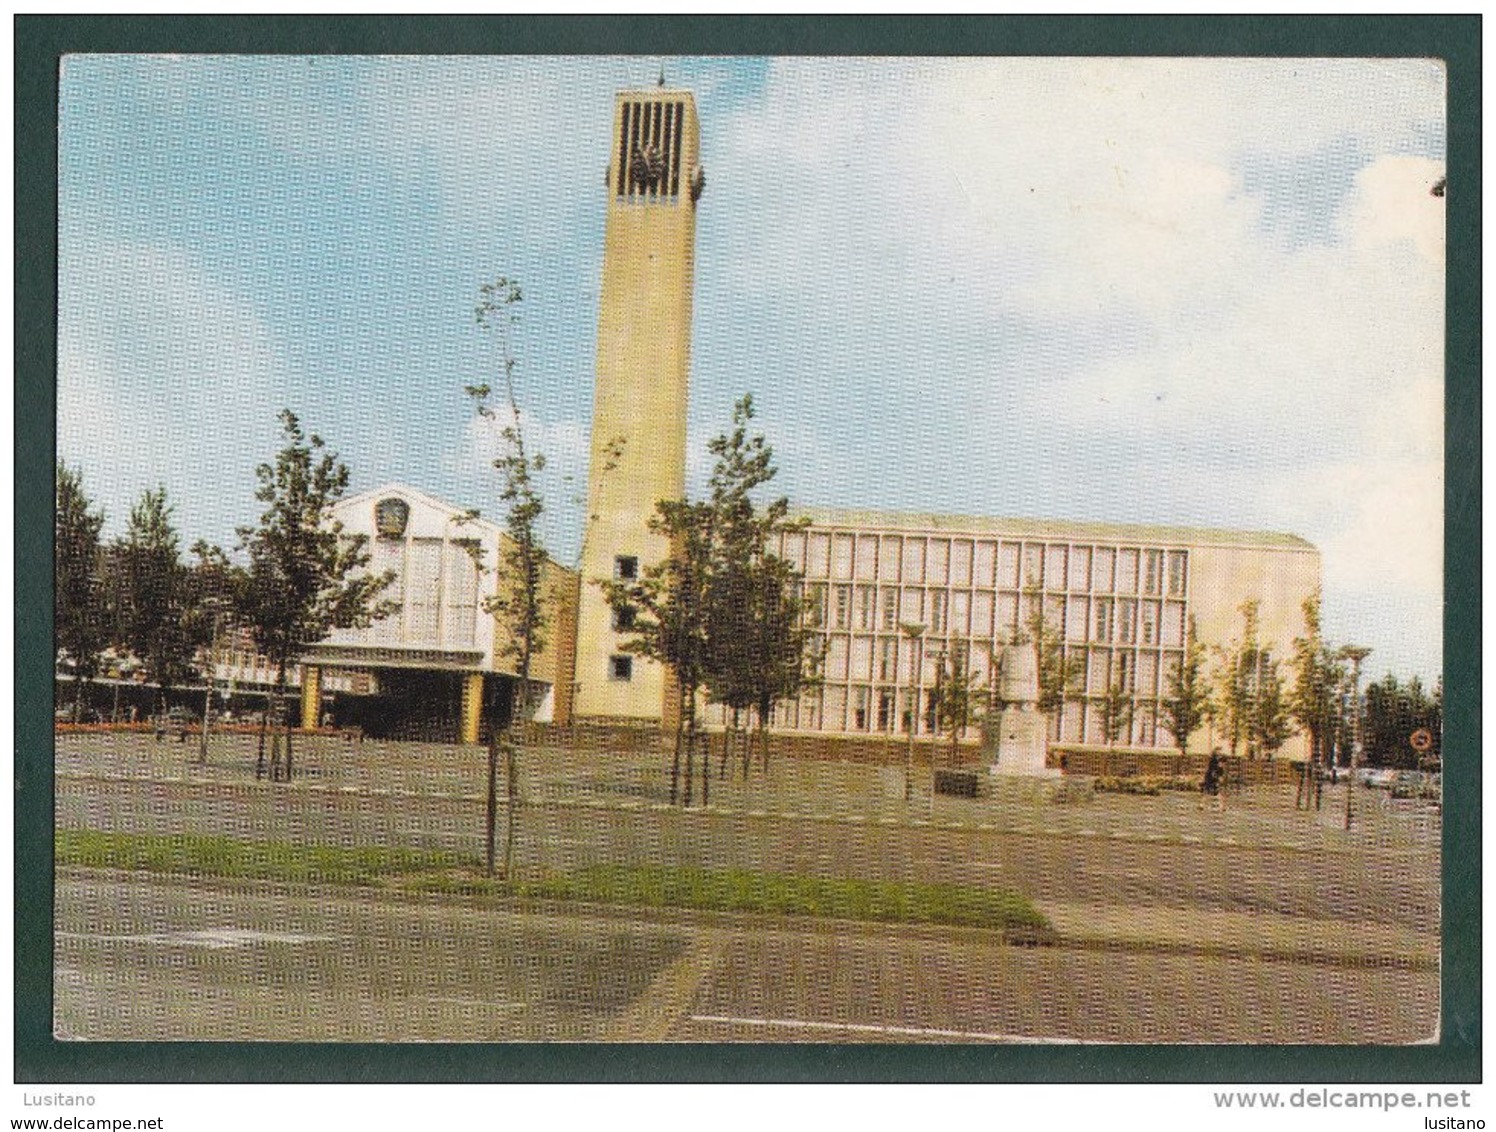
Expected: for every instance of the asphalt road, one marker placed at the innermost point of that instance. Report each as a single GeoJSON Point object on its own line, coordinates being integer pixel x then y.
{"type": "Point", "coordinates": [155, 958]}
{"type": "Point", "coordinates": [144, 958]}
{"type": "Point", "coordinates": [1398, 887]}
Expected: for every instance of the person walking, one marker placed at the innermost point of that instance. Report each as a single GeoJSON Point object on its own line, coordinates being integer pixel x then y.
{"type": "Point", "coordinates": [1214, 784]}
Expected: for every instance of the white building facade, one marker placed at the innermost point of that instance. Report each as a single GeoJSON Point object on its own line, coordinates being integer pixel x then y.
{"type": "Point", "coordinates": [1119, 597]}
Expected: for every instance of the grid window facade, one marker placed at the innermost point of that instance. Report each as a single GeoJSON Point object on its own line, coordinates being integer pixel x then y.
{"type": "Point", "coordinates": [1119, 611]}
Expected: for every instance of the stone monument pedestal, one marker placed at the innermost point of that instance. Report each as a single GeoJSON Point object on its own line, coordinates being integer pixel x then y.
{"type": "Point", "coordinates": [1022, 745]}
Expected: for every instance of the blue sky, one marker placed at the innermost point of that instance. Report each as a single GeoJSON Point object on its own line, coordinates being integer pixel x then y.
{"type": "Point", "coordinates": [1186, 291]}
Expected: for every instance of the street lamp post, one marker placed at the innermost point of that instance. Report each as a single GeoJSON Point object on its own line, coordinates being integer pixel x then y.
{"type": "Point", "coordinates": [1355, 654]}
{"type": "Point", "coordinates": [915, 634]}
{"type": "Point", "coordinates": [938, 655]}
{"type": "Point", "coordinates": [211, 682]}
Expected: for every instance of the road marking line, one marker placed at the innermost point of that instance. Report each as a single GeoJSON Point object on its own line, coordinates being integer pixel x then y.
{"type": "Point", "coordinates": [869, 1028]}
{"type": "Point", "coordinates": [215, 938]}
{"type": "Point", "coordinates": [654, 1014]}
{"type": "Point", "coordinates": [457, 1001]}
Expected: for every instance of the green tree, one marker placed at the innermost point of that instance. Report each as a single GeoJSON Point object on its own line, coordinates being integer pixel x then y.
{"type": "Point", "coordinates": [741, 465]}
{"type": "Point", "coordinates": [305, 576]}
{"type": "Point", "coordinates": [1115, 709]}
{"type": "Point", "coordinates": [1394, 710]}
{"type": "Point", "coordinates": [959, 695]}
{"type": "Point", "coordinates": [80, 624]}
{"type": "Point", "coordinates": [756, 645]}
{"type": "Point", "coordinates": [1187, 701]}
{"type": "Point", "coordinates": [1318, 674]}
{"type": "Point", "coordinates": [1271, 722]}
{"type": "Point", "coordinates": [160, 622]}
{"type": "Point", "coordinates": [1060, 672]}
{"type": "Point", "coordinates": [1235, 680]}
{"type": "Point", "coordinates": [666, 609]}
{"type": "Point", "coordinates": [786, 663]}
{"type": "Point", "coordinates": [521, 601]}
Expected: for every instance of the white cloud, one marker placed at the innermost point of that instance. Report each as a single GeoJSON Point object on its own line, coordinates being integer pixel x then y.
{"type": "Point", "coordinates": [1052, 268]}
{"type": "Point", "coordinates": [924, 209]}
{"type": "Point", "coordinates": [164, 377]}
{"type": "Point", "coordinates": [565, 444]}
{"type": "Point", "coordinates": [1393, 204]}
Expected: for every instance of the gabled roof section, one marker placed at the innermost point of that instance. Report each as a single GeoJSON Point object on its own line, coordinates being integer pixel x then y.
{"type": "Point", "coordinates": [1065, 530]}
{"type": "Point", "coordinates": [425, 499]}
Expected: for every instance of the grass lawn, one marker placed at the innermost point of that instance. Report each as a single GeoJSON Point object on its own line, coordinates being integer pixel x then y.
{"type": "Point", "coordinates": [726, 890]}
{"type": "Point", "coordinates": [250, 860]}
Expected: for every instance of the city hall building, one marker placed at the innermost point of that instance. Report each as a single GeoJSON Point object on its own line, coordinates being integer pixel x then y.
{"type": "Point", "coordinates": [1120, 597]}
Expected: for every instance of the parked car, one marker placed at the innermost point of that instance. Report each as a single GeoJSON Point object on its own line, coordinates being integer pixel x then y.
{"type": "Point", "coordinates": [1376, 777]}
{"type": "Point", "coordinates": [72, 714]}
{"type": "Point", "coordinates": [1415, 784]}
{"type": "Point", "coordinates": [174, 721]}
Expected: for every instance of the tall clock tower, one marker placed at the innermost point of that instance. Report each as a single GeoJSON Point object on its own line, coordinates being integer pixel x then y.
{"type": "Point", "coordinates": [654, 180]}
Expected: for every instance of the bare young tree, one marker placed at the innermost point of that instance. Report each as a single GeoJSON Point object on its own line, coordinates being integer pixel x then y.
{"type": "Point", "coordinates": [521, 601]}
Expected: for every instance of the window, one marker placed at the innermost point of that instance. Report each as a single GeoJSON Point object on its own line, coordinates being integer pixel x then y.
{"type": "Point", "coordinates": [914, 560]}
{"type": "Point", "coordinates": [885, 710]}
{"type": "Point", "coordinates": [1149, 630]}
{"type": "Point", "coordinates": [843, 606]}
{"type": "Point", "coordinates": [1080, 568]}
{"type": "Point", "coordinates": [937, 611]}
{"type": "Point", "coordinates": [983, 563]}
{"type": "Point", "coordinates": [623, 619]}
{"type": "Point", "coordinates": [626, 568]}
{"type": "Point", "coordinates": [1147, 678]}
{"type": "Point", "coordinates": [1007, 566]}
{"type": "Point", "coordinates": [1126, 618]}
{"type": "Point", "coordinates": [836, 658]}
{"type": "Point", "coordinates": [960, 612]}
{"type": "Point", "coordinates": [1033, 565]}
{"type": "Point", "coordinates": [621, 668]}
{"type": "Point", "coordinates": [1007, 614]}
{"type": "Point", "coordinates": [1127, 571]}
{"type": "Point", "coordinates": [937, 567]}
{"type": "Point", "coordinates": [890, 610]}
{"type": "Point", "coordinates": [841, 556]}
{"type": "Point", "coordinates": [859, 709]}
{"type": "Point", "coordinates": [889, 552]}
{"type": "Point", "coordinates": [1103, 607]}
{"type": "Point", "coordinates": [818, 555]}
{"type": "Point", "coordinates": [886, 655]}
{"type": "Point", "coordinates": [864, 607]}
{"type": "Point", "coordinates": [1176, 573]}
{"type": "Point", "coordinates": [1075, 619]}
{"type": "Point", "coordinates": [914, 606]}
{"type": "Point", "coordinates": [1054, 567]}
{"type": "Point", "coordinates": [960, 563]}
{"type": "Point", "coordinates": [1153, 568]}
{"type": "Point", "coordinates": [1173, 624]}
{"type": "Point", "coordinates": [981, 614]}
{"type": "Point", "coordinates": [1101, 569]}
{"type": "Point", "coordinates": [815, 604]}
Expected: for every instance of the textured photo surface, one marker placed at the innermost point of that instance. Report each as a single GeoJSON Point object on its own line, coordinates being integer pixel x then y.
{"type": "Point", "coordinates": [749, 550]}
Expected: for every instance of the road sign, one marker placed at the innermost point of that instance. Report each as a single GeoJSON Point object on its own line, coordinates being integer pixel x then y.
{"type": "Point", "coordinates": [1421, 740]}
